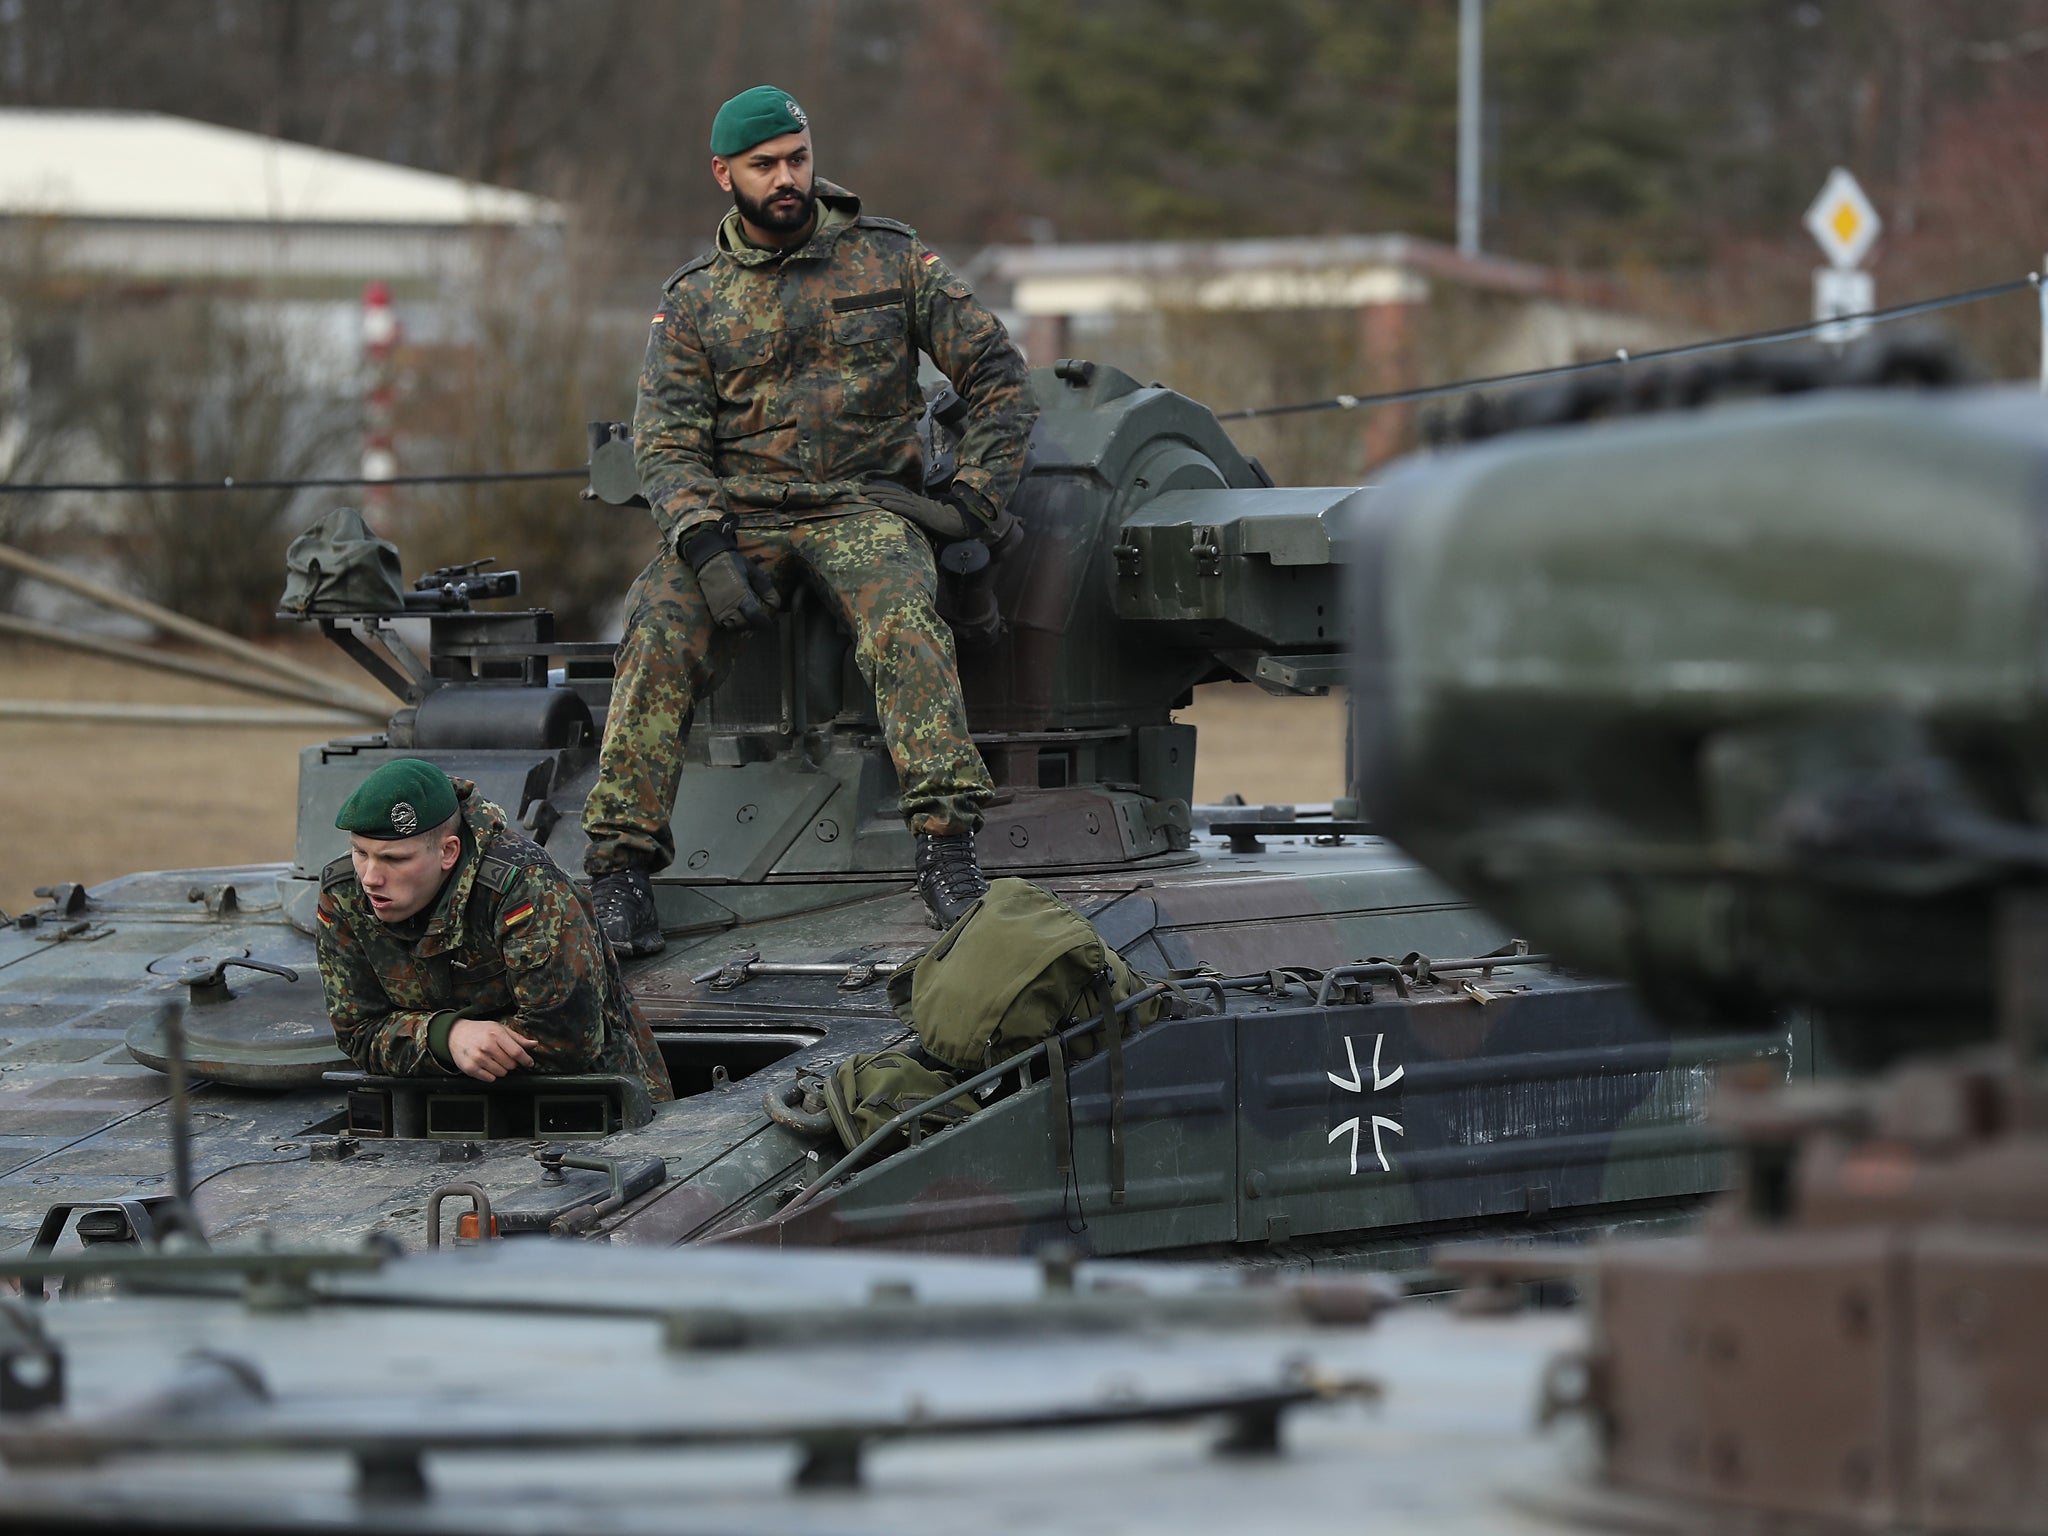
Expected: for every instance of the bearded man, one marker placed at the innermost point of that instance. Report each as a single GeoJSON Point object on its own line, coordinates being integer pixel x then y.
{"type": "Point", "coordinates": [776, 435]}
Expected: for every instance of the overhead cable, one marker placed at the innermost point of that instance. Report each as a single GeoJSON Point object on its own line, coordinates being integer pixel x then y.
{"type": "Point", "coordinates": [1623, 357]}
{"type": "Point", "coordinates": [236, 483]}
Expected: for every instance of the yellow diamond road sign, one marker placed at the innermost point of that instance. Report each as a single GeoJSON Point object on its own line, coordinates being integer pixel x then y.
{"type": "Point", "coordinates": [1843, 221]}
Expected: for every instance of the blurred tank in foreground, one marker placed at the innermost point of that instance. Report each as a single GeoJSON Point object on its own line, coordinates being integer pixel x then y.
{"type": "Point", "coordinates": [557, 1388]}
{"type": "Point", "coordinates": [1744, 704]}
{"type": "Point", "coordinates": [1747, 704]}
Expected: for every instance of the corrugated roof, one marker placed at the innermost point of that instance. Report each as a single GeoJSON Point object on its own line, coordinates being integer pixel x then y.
{"type": "Point", "coordinates": [148, 166]}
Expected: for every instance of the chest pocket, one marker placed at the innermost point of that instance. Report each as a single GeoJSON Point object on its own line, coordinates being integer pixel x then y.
{"type": "Point", "coordinates": [485, 987]}
{"type": "Point", "coordinates": [411, 985]}
{"type": "Point", "coordinates": [866, 350]}
{"type": "Point", "coordinates": [439, 981]}
{"type": "Point", "coordinates": [750, 398]}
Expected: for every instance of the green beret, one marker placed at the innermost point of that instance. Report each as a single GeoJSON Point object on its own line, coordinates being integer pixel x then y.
{"type": "Point", "coordinates": [753, 117]}
{"type": "Point", "coordinates": [402, 799]}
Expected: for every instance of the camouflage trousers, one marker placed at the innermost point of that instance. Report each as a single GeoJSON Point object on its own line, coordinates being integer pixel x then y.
{"type": "Point", "coordinates": [880, 576]}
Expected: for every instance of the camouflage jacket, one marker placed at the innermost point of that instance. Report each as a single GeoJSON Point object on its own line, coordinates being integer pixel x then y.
{"type": "Point", "coordinates": [509, 938]}
{"type": "Point", "coordinates": [776, 382]}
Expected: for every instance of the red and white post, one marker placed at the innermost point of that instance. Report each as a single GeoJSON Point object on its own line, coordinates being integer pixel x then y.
{"type": "Point", "coordinates": [380, 344]}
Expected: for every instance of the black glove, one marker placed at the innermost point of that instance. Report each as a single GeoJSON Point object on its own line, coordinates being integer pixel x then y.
{"type": "Point", "coordinates": [948, 517]}
{"type": "Point", "coordinates": [739, 591]}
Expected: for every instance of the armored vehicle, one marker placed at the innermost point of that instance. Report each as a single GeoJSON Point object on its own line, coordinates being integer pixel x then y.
{"type": "Point", "coordinates": [552, 1387]}
{"type": "Point", "coordinates": [1364, 1060]}
{"type": "Point", "coordinates": [1773, 766]}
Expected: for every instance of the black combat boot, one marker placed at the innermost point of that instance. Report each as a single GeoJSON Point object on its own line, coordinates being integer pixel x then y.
{"type": "Point", "coordinates": [948, 878]}
{"type": "Point", "coordinates": [625, 911]}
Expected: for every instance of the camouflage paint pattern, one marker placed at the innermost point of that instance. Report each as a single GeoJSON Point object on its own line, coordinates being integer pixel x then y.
{"type": "Point", "coordinates": [776, 382]}
{"type": "Point", "coordinates": [880, 575]}
{"type": "Point", "coordinates": [510, 938]}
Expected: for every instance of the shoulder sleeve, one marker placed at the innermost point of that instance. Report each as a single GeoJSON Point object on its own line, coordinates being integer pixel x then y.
{"type": "Point", "coordinates": [875, 221]}
{"type": "Point", "coordinates": [495, 872]}
{"type": "Point", "coordinates": [672, 420]}
{"type": "Point", "coordinates": [503, 869]}
{"type": "Point", "coordinates": [695, 264]}
{"type": "Point", "coordinates": [555, 962]}
{"type": "Point", "coordinates": [975, 352]}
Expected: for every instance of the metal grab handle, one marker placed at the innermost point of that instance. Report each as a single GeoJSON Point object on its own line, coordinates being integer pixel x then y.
{"type": "Point", "coordinates": [217, 973]}
{"type": "Point", "coordinates": [209, 983]}
{"type": "Point", "coordinates": [1417, 970]}
{"type": "Point", "coordinates": [583, 1218]}
{"type": "Point", "coordinates": [860, 1154]}
{"type": "Point", "coordinates": [553, 1161]}
{"type": "Point", "coordinates": [486, 1223]}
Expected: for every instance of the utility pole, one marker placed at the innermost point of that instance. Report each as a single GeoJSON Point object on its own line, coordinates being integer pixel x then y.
{"type": "Point", "coordinates": [1468, 126]}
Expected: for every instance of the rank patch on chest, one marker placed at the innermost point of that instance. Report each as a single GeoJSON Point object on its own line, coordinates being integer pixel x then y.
{"type": "Point", "coordinates": [519, 914]}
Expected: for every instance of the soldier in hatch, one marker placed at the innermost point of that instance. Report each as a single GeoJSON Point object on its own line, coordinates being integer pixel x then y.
{"type": "Point", "coordinates": [777, 431]}
{"type": "Point", "coordinates": [449, 943]}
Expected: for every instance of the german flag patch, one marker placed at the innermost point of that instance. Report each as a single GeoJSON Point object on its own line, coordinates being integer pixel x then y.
{"type": "Point", "coordinates": [929, 257]}
{"type": "Point", "coordinates": [326, 918]}
{"type": "Point", "coordinates": [519, 914]}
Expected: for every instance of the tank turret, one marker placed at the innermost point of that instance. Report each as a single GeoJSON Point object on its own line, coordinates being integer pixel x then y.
{"type": "Point", "coordinates": [1155, 556]}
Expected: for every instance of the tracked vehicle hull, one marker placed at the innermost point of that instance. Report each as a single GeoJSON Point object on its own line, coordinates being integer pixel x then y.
{"type": "Point", "coordinates": [1281, 1127]}
{"type": "Point", "coordinates": [1368, 1061]}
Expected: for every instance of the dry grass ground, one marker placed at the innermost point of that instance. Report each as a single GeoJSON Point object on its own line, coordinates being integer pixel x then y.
{"type": "Point", "coordinates": [1268, 750]}
{"type": "Point", "coordinates": [89, 801]}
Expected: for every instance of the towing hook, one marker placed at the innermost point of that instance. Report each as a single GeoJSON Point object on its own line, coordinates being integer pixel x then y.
{"type": "Point", "coordinates": [799, 1105]}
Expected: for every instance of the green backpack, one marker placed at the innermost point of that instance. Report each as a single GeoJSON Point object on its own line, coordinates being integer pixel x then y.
{"type": "Point", "coordinates": [1019, 966]}
{"type": "Point", "coordinates": [339, 566]}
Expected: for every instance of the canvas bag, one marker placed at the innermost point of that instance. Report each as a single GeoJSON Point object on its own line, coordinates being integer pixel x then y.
{"type": "Point", "coordinates": [339, 566]}
{"type": "Point", "coordinates": [866, 1092]}
{"type": "Point", "coordinates": [1018, 966]}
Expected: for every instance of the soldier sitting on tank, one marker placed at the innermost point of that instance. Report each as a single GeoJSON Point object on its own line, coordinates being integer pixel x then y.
{"type": "Point", "coordinates": [449, 943]}
{"type": "Point", "coordinates": [777, 429]}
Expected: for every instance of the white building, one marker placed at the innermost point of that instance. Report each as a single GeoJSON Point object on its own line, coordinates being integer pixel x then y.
{"type": "Point", "coordinates": [1388, 313]}
{"type": "Point", "coordinates": [216, 281]}
{"type": "Point", "coordinates": [1060, 292]}
{"type": "Point", "coordinates": [106, 215]}
{"type": "Point", "coordinates": [145, 197]}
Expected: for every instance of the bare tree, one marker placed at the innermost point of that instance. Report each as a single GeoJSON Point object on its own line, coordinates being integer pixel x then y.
{"type": "Point", "coordinates": [535, 362]}
{"type": "Point", "coordinates": [190, 387]}
{"type": "Point", "coordinates": [42, 393]}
